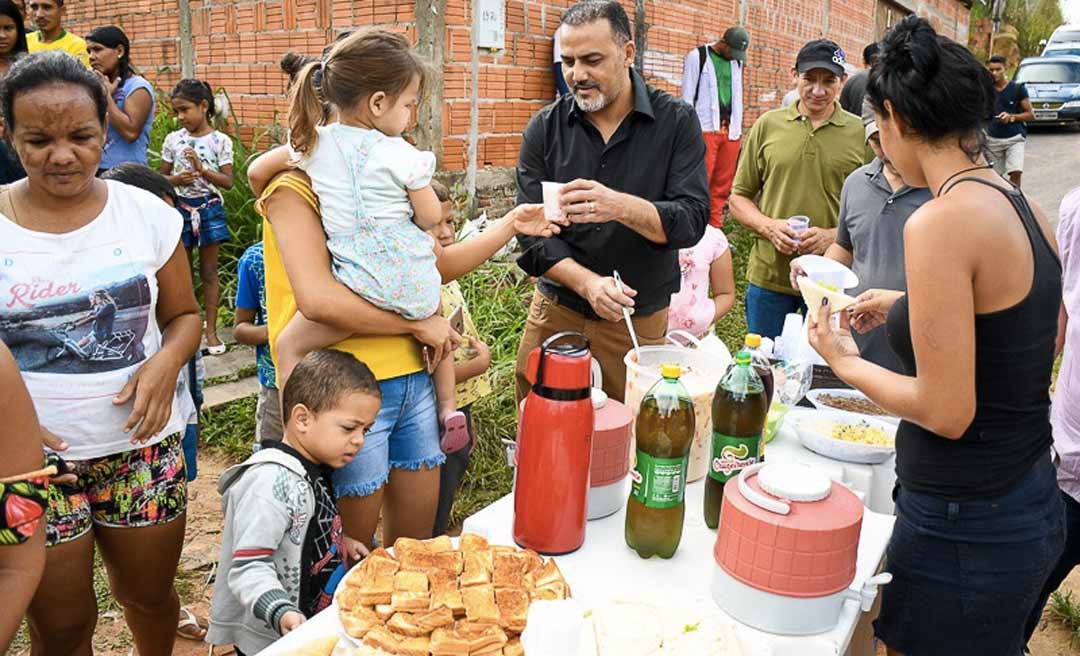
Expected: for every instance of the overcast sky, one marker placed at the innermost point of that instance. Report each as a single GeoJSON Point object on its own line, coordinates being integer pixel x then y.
{"type": "Point", "coordinates": [1071, 9]}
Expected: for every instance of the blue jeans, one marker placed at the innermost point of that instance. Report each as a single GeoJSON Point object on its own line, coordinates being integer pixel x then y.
{"type": "Point", "coordinates": [967, 574]}
{"type": "Point", "coordinates": [765, 310]}
{"type": "Point", "coordinates": [405, 435]}
{"type": "Point", "coordinates": [1070, 558]}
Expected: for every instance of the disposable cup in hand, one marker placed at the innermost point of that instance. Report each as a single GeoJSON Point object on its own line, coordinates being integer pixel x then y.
{"type": "Point", "coordinates": [799, 223]}
{"type": "Point", "coordinates": [552, 211]}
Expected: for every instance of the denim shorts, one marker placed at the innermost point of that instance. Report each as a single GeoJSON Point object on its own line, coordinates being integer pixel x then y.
{"type": "Point", "coordinates": [213, 229]}
{"type": "Point", "coordinates": [966, 575]}
{"type": "Point", "coordinates": [405, 436]}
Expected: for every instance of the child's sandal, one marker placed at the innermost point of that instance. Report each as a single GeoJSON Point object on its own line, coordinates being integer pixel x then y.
{"type": "Point", "coordinates": [455, 433]}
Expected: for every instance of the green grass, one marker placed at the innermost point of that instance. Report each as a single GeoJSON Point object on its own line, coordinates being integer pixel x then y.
{"type": "Point", "coordinates": [230, 428]}
{"type": "Point", "coordinates": [245, 371]}
{"type": "Point", "coordinates": [1067, 611]}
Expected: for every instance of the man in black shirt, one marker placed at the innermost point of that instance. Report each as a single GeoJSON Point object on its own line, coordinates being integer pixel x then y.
{"type": "Point", "coordinates": [1007, 134]}
{"type": "Point", "coordinates": [633, 159]}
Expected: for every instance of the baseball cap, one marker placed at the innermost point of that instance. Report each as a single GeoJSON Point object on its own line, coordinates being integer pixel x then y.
{"type": "Point", "coordinates": [868, 120]}
{"type": "Point", "coordinates": [738, 40]}
{"type": "Point", "coordinates": [821, 53]}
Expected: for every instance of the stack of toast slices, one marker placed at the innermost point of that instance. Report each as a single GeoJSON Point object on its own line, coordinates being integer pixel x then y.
{"type": "Point", "coordinates": [430, 599]}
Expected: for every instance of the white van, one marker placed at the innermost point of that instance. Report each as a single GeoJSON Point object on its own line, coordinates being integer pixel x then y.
{"type": "Point", "coordinates": [1061, 35]}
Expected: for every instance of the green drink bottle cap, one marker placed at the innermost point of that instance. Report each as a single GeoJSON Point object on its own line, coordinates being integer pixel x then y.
{"type": "Point", "coordinates": [742, 357]}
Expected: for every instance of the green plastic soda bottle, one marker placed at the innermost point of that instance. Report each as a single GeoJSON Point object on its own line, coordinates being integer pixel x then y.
{"type": "Point", "coordinates": [665, 432]}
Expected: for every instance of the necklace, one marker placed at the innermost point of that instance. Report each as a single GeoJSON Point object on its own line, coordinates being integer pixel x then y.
{"type": "Point", "coordinates": [959, 173]}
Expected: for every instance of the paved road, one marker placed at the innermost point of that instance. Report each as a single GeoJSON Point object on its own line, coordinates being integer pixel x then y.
{"type": "Point", "coordinates": [1051, 167]}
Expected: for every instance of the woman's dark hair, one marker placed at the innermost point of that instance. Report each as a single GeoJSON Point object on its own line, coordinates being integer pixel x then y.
{"type": "Point", "coordinates": [358, 66]}
{"type": "Point", "coordinates": [11, 10]}
{"type": "Point", "coordinates": [293, 62]}
{"type": "Point", "coordinates": [42, 69]}
{"type": "Point", "coordinates": [143, 177]}
{"type": "Point", "coordinates": [195, 91]}
{"type": "Point", "coordinates": [933, 83]}
{"type": "Point", "coordinates": [113, 37]}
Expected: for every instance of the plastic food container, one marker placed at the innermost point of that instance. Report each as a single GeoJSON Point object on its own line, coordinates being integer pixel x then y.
{"type": "Point", "coordinates": [701, 372]}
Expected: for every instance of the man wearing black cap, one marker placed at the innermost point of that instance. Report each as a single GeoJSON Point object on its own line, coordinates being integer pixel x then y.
{"type": "Point", "coordinates": [796, 158]}
{"type": "Point", "coordinates": [713, 84]}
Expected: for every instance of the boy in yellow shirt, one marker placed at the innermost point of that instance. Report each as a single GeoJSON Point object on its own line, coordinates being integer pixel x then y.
{"type": "Point", "coordinates": [48, 15]}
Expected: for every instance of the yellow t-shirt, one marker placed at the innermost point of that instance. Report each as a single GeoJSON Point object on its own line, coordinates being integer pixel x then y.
{"type": "Point", "coordinates": [68, 42]}
{"type": "Point", "coordinates": [478, 387]}
{"type": "Point", "coordinates": [388, 356]}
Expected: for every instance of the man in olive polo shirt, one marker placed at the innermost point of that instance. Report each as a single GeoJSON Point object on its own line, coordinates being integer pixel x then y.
{"type": "Point", "coordinates": [796, 158]}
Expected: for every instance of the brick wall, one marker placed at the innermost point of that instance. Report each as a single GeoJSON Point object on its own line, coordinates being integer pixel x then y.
{"type": "Point", "coordinates": [238, 44]}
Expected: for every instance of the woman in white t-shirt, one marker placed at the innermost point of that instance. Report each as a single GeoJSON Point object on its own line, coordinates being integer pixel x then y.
{"type": "Point", "coordinates": [97, 307]}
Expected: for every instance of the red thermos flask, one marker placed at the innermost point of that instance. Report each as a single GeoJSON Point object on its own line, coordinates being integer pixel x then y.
{"type": "Point", "coordinates": [554, 447]}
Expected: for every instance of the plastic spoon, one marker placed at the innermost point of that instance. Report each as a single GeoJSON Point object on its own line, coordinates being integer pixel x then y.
{"type": "Point", "coordinates": [626, 316]}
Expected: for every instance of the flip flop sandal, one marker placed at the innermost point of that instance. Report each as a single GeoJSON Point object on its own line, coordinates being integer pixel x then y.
{"type": "Point", "coordinates": [455, 433]}
{"type": "Point", "coordinates": [216, 350]}
{"type": "Point", "coordinates": [189, 626]}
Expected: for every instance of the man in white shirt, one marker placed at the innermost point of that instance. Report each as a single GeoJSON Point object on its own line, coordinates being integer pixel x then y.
{"type": "Point", "coordinates": [713, 84]}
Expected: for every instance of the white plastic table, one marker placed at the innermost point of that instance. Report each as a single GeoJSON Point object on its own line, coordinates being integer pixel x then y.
{"type": "Point", "coordinates": [605, 568]}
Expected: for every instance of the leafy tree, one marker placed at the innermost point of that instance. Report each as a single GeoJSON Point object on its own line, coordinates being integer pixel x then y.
{"type": "Point", "coordinates": [1034, 21]}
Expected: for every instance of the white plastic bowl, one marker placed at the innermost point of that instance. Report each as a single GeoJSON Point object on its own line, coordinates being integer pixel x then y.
{"type": "Point", "coordinates": [814, 396]}
{"type": "Point", "coordinates": [821, 442]}
{"type": "Point", "coordinates": [822, 268]}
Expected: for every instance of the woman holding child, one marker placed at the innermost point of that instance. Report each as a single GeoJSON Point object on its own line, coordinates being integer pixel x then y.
{"type": "Point", "coordinates": [398, 469]}
{"type": "Point", "coordinates": [111, 413]}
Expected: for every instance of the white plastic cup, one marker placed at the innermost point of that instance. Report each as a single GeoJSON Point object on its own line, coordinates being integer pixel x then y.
{"type": "Point", "coordinates": [799, 224]}
{"type": "Point", "coordinates": [552, 211]}
{"type": "Point", "coordinates": [793, 325]}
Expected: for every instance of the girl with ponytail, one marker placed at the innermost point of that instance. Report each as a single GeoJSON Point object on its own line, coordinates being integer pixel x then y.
{"type": "Point", "coordinates": [375, 192]}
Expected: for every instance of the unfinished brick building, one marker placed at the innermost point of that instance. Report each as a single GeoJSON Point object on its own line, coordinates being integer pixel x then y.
{"type": "Point", "coordinates": [237, 44]}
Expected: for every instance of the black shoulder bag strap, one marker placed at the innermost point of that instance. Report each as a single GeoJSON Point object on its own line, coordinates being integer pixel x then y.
{"type": "Point", "coordinates": [703, 56]}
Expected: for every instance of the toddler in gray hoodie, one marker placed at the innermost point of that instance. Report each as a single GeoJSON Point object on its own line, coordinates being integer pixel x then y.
{"type": "Point", "coordinates": [281, 549]}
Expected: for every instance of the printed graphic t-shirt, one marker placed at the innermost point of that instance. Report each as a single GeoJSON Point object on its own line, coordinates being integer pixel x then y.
{"type": "Point", "coordinates": [77, 310]}
{"type": "Point", "coordinates": [215, 150]}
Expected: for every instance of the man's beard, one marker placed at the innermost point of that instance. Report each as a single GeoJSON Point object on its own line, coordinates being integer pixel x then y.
{"type": "Point", "coordinates": [600, 102]}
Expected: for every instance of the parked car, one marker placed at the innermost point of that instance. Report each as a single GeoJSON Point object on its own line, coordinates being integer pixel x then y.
{"type": "Point", "coordinates": [1053, 84]}
{"type": "Point", "coordinates": [1058, 49]}
{"type": "Point", "coordinates": [1064, 34]}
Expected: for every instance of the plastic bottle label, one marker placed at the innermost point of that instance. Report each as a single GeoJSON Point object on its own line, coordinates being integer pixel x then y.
{"type": "Point", "coordinates": [731, 455]}
{"type": "Point", "coordinates": [658, 482]}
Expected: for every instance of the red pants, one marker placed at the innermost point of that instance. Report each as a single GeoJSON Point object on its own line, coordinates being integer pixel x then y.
{"type": "Point", "coordinates": [721, 156]}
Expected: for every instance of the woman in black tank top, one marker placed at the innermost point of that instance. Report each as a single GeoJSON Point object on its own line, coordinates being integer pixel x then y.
{"type": "Point", "coordinates": [979, 519]}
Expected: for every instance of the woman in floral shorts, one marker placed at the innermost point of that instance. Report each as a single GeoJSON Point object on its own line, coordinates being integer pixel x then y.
{"type": "Point", "coordinates": [109, 405]}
